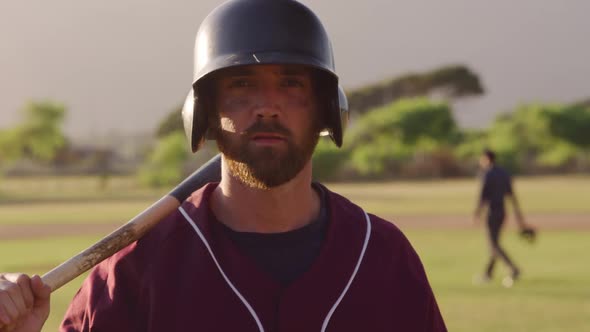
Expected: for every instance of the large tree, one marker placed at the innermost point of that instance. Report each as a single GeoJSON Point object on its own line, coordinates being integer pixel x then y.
{"type": "Point", "coordinates": [386, 139]}
{"type": "Point", "coordinates": [540, 137]}
{"type": "Point", "coordinates": [41, 131]}
{"type": "Point", "coordinates": [571, 124]}
{"type": "Point", "coordinates": [165, 163]}
{"type": "Point", "coordinates": [38, 136]}
{"type": "Point", "coordinates": [171, 123]}
{"type": "Point", "coordinates": [451, 82]}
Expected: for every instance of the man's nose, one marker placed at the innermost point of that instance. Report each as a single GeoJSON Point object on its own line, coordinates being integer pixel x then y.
{"type": "Point", "coordinates": [269, 102]}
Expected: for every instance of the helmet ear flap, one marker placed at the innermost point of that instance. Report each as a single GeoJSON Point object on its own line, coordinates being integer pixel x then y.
{"type": "Point", "coordinates": [336, 130]}
{"type": "Point", "coordinates": [195, 121]}
{"type": "Point", "coordinates": [343, 108]}
{"type": "Point", "coordinates": [336, 104]}
{"type": "Point", "coordinates": [338, 118]}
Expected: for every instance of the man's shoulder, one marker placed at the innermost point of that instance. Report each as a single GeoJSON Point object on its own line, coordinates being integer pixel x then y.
{"type": "Point", "coordinates": [340, 204]}
{"type": "Point", "coordinates": [387, 234]}
{"type": "Point", "coordinates": [381, 229]}
{"type": "Point", "coordinates": [499, 171]}
{"type": "Point", "coordinates": [195, 205]}
{"type": "Point", "coordinates": [147, 248]}
{"type": "Point", "coordinates": [172, 228]}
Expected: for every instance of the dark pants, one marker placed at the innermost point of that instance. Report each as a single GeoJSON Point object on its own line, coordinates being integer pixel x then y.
{"type": "Point", "coordinates": [495, 223]}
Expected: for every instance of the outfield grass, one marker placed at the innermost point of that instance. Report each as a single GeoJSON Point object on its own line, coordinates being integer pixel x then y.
{"type": "Point", "coordinates": [73, 212]}
{"type": "Point", "coordinates": [37, 256]}
{"type": "Point", "coordinates": [537, 195]}
{"type": "Point", "coordinates": [71, 188]}
{"type": "Point", "coordinates": [553, 295]}
{"type": "Point", "coordinates": [77, 200]}
{"type": "Point", "coordinates": [72, 200]}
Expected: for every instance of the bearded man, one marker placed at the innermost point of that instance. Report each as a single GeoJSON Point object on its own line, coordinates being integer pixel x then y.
{"type": "Point", "coordinates": [266, 248]}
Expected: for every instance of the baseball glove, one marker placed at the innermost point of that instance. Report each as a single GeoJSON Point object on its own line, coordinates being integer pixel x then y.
{"type": "Point", "coordinates": [529, 234]}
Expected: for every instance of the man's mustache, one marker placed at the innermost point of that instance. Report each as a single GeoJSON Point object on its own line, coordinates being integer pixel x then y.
{"type": "Point", "coordinates": [267, 127]}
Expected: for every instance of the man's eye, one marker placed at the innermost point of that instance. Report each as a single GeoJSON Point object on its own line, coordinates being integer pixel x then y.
{"type": "Point", "coordinates": [293, 82]}
{"type": "Point", "coordinates": [240, 83]}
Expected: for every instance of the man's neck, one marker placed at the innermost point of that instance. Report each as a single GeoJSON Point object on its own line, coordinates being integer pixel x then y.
{"type": "Point", "coordinates": [280, 209]}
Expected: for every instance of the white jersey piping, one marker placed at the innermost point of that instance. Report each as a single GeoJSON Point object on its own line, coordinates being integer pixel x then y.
{"type": "Point", "coordinates": [244, 301]}
{"type": "Point", "coordinates": [358, 264]}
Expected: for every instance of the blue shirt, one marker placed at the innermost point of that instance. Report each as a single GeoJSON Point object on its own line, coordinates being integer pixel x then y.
{"type": "Point", "coordinates": [496, 185]}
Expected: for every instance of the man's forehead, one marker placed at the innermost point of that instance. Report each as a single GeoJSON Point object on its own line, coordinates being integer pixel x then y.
{"type": "Point", "coordinates": [277, 69]}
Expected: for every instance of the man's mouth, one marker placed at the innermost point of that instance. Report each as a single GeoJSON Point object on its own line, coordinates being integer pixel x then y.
{"type": "Point", "coordinates": [267, 138]}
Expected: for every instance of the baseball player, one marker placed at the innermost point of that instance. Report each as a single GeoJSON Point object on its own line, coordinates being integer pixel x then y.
{"type": "Point", "coordinates": [497, 185]}
{"type": "Point", "coordinates": [265, 249]}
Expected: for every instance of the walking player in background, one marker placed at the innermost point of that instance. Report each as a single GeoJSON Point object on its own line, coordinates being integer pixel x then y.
{"type": "Point", "coordinates": [497, 185]}
{"type": "Point", "coordinates": [266, 249]}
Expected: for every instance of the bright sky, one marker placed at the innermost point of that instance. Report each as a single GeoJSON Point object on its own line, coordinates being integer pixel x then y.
{"type": "Point", "coordinates": [123, 65]}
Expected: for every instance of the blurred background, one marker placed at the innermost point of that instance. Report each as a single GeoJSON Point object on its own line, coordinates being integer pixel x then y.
{"type": "Point", "coordinates": [91, 134]}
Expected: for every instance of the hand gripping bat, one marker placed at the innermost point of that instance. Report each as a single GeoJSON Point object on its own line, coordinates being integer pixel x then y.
{"type": "Point", "coordinates": [134, 229]}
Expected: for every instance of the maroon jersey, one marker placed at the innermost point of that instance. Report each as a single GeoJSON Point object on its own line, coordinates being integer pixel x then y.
{"type": "Point", "coordinates": [186, 275]}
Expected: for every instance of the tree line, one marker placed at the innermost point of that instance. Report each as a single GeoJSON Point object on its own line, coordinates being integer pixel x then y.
{"type": "Point", "coordinates": [400, 128]}
{"type": "Point", "coordinates": [418, 137]}
{"type": "Point", "coordinates": [399, 131]}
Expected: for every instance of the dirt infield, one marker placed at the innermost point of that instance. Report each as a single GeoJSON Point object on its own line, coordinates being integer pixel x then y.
{"type": "Point", "coordinates": [546, 221]}
{"type": "Point", "coordinates": [542, 222]}
{"type": "Point", "coordinates": [22, 232]}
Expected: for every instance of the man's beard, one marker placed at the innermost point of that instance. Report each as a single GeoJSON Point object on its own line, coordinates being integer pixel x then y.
{"type": "Point", "coordinates": [266, 167]}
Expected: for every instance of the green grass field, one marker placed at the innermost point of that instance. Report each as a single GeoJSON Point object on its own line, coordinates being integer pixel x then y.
{"type": "Point", "coordinates": [37, 256]}
{"type": "Point", "coordinates": [559, 194]}
{"type": "Point", "coordinates": [77, 200]}
{"type": "Point", "coordinates": [553, 295]}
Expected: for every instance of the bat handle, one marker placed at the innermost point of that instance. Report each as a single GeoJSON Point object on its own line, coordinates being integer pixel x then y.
{"type": "Point", "coordinates": [134, 229]}
{"type": "Point", "coordinates": [112, 243]}
{"type": "Point", "coordinates": [208, 172]}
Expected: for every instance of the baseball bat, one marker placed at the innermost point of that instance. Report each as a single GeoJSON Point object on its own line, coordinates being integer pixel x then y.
{"type": "Point", "coordinates": [134, 229]}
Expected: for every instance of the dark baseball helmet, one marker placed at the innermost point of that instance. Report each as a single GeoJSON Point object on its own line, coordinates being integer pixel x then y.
{"type": "Point", "coordinates": [248, 32]}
